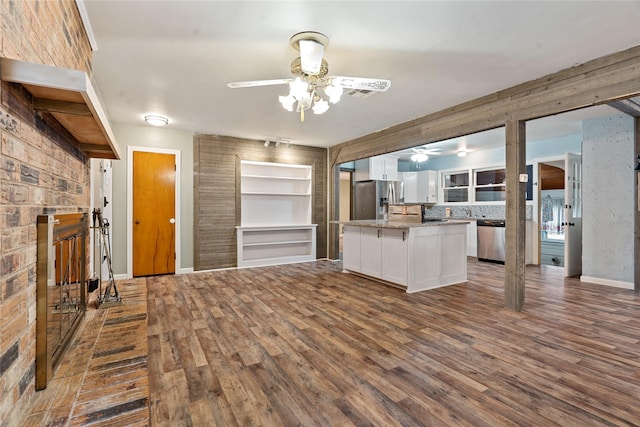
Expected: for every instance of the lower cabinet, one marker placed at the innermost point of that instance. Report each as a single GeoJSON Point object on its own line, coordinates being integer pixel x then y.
{"type": "Point", "coordinates": [394, 256]}
{"type": "Point", "coordinates": [418, 258]}
{"type": "Point", "coordinates": [351, 240]}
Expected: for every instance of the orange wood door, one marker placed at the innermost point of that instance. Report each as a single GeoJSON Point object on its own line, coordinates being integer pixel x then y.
{"type": "Point", "coordinates": [154, 212]}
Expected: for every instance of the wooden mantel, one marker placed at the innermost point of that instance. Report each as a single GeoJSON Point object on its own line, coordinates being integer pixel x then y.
{"type": "Point", "coordinates": [69, 96]}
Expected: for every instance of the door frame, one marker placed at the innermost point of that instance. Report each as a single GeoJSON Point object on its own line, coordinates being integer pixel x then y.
{"type": "Point", "coordinates": [176, 153]}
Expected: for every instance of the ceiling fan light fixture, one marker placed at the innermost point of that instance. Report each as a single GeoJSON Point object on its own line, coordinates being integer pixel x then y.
{"type": "Point", "coordinates": [299, 88]}
{"type": "Point", "coordinates": [311, 56]}
{"type": "Point", "coordinates": [156, 120]}
{"type": "Point", "coordinates": [334, 92]}
{"type": "Point", "coordinates": [419, 157]}
{"type": "Point", "coordinates": [321, 106]}
{"type": "Point", "coordinates": [287, 102]}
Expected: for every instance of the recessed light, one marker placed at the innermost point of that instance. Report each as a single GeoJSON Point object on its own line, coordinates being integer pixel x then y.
{"type": "Point", "coordinates": [156, 120]}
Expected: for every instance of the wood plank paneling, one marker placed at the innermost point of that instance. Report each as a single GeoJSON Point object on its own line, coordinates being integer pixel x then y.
{"type": "Point", "coordinates": [217, 189]}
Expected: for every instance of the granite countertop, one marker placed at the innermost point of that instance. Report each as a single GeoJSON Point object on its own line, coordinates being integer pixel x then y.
{"type": "Point", "coordinates": [399, 224]}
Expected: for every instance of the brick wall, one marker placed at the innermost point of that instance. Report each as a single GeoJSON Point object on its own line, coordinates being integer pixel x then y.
{"type": "Point", "coordinates": [41, 171]}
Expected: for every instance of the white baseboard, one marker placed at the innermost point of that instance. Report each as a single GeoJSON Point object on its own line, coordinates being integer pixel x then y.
{"type": "Point", "coordinates": [607, 282]}
{"type": "Point", "coordinates": [185, 270]}
{"type": "Point", "coordinates": [122, 276]}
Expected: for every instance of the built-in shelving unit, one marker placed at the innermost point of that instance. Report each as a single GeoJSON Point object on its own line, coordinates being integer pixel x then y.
{"type": "Point", "coordinates": [275, 214]}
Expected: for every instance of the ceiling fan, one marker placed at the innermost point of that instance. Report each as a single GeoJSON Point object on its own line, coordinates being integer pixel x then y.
{"type": "Point", "coordinates": [421, 154]}
{"type": "Point", "coordinates": [310, 79]}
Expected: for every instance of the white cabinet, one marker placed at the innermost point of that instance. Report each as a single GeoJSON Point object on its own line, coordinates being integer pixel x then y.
{"type": "Point", "coordinates": [420, 187]}
{"type": "Point", "coordinates": [275, 214]}
{"type": "Point", "coordinates": [417, 257]}
{"type": "Point", "coordinates": [383, 168]}
{"type": "Point", "coordinates": [428, 186]}
{"type": "Point", "coordinates": [377, 252]}
{"type": "Point", "coordinates": [394, 256]}
{"type": "Point", "coordinates": [351, 239]}
{"type": "Point", "coordinates": [472, 238]}
{"type": "Point", "coordinates": [371, 251]}
{"type": "Point", "coordinates": [409, 185]}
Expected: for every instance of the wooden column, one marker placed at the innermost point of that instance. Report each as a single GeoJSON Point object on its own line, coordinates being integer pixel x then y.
{"type": "Point", "coordinates": [334, 209]}
{"type": "Point", "coordinates": [636, 211]}
{"type": "Point", "coordinates": [514, 276]}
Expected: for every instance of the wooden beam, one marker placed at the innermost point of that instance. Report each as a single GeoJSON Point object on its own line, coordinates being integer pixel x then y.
{"type": "Point", "coordinates": [600, 81]}
{"type": "Point", "coordinates": [95, 148]}
{"type": "Point", "coordinates": [628, 106]}
{"type": "Point", "coordinates": [64, 107]}
{"type": "Point", "coordinates": [514, 275]}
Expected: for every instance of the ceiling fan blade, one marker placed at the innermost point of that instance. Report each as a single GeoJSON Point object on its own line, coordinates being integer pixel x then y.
{"type": "Point", "coordinates": [378, 85]}
{"type": "Point", "coordinates": [254, 83]}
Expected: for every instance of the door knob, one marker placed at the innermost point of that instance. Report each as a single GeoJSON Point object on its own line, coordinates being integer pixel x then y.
{"type": "Point", "coordinates": [137, 222]}
{"type": "Point", "coordinates": [172, 220]}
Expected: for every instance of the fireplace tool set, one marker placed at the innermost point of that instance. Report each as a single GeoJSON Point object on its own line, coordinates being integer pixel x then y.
{"type": "Point", "coordinates": [110, 296]}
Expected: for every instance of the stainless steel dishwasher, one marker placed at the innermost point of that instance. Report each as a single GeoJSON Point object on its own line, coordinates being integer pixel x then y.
{"type": "Point", "coordinates": [491, 240]}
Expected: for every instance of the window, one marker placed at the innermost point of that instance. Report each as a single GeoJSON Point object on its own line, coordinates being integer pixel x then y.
{"type": "Point", "coordinates": [456, 186]}
{"type": "Point", "coordinates": [490, 185]}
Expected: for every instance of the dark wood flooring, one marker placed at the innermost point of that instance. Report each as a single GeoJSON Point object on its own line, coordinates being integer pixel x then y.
{"type": "Point", "coordinates": [308, 345]}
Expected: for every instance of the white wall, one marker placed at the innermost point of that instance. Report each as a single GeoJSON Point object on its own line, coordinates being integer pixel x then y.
{"type": "Point", "coordinates": [608, 183]}
{"type": "Point", "coordinates": [147, 136]}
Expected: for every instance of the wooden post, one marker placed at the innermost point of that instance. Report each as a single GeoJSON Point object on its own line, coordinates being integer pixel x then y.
{"type": "Point", "coordinates": [334, 209]}
{"type": "Point", "coordinates": [636, 204]}
{"type": "Point", "coordinates": [514, 275]}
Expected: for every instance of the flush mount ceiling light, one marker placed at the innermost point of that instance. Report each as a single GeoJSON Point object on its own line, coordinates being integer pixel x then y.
{"type": "Point", "coordinates": [156, 120]}
{"type": "Point", "coordinates": [310, 80]}
{"type": "Point", "coordinates": [462, 153]}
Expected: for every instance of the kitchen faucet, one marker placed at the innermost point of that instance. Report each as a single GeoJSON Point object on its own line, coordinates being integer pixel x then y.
{"type": "Point", "coordinates": [468, 211]}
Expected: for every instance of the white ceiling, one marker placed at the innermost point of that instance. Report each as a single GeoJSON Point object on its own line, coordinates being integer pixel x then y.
{"type": "Point", "coordinates": [176, 57]}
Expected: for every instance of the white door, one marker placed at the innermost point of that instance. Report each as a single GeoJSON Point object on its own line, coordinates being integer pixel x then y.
{"type": "Point", "coordinates": [573, 215]}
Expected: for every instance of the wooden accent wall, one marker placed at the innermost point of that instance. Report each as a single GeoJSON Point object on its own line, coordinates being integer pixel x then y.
{"type": "Point", "coordinates": [217, 193]}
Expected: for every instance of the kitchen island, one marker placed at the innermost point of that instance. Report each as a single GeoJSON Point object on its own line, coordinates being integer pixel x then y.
{"type": "Point", "coordinates": [413, 256]}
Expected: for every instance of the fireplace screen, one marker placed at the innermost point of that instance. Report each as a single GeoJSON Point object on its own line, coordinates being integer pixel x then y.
{"type": "Point", "coordinates": [61, 281]}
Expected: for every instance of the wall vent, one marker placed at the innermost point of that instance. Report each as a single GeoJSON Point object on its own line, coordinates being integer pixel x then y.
{"type": "Point", "coordinates": [361, 93]}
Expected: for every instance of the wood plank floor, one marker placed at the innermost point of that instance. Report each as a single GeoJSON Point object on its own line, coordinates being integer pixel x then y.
{"type": "Point", "coordinates": [308, 345]}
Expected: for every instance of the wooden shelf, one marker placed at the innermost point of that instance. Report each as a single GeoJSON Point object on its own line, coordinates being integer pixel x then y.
{"type": "Point", "coordinates": [69, 96]}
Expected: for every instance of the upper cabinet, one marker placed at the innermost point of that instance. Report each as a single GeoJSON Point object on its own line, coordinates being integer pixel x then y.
{"type": "Point", "coordinates": [69, 96]}
{"type": "Point", "coordinates": [420, 187]}
{"type": "Point", "coordinates": [382, 168]}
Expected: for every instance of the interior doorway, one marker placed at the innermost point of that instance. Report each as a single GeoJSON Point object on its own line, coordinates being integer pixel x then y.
{"type": "Point", "coordinates": [153, 214]}
{"type": "Point", "coordinates": [560, 213]}
{"type": "Point", "coordinates": [552, 183]}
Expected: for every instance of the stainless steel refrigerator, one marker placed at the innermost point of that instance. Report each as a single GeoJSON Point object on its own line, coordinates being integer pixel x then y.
{"type": "Point", "coordinates": [371, 199]}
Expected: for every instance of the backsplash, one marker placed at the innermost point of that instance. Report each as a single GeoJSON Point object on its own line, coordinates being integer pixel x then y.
{"type": "Point", "coordinates": [473, 211]}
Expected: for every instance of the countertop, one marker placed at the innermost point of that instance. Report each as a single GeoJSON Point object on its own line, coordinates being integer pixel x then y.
{"type": "Point", "coordinates": [399, 224]}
